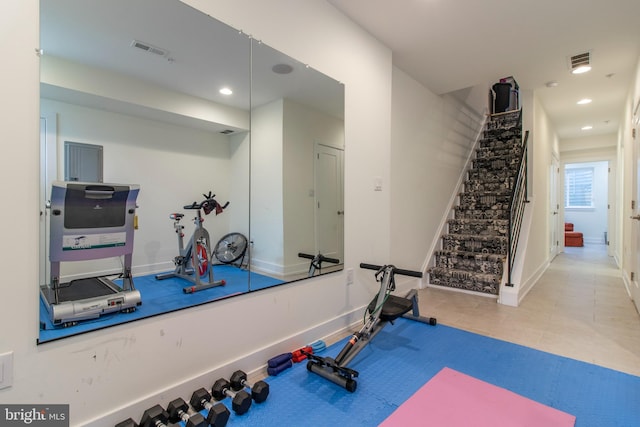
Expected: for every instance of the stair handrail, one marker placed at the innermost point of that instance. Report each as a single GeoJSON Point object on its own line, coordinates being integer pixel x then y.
{"type": "Point", "coordinates": [517, 203]}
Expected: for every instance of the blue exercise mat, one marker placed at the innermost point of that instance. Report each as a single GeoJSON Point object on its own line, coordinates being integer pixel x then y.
{"type": "Point", "coordinates": [163, 296]}
{"type": "Point", "coordinates": [404, 356]}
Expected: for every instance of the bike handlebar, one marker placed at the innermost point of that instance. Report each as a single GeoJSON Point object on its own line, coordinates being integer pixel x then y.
{"type": "Point", "coordinates": [209, 204]}
{"type": "Point", "coordinates": [393, 269]}
{"type": "Point", "coordinates": [320, 258]}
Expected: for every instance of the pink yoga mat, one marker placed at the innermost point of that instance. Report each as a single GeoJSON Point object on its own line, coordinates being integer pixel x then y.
{"type": "Point", "coordinates": [453, 399]}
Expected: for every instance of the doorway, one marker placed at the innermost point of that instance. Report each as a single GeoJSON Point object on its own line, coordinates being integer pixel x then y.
{"type": "Point", "coordinates": [587, 203]}
{"type": "Point", "coordinates": [329, 217]}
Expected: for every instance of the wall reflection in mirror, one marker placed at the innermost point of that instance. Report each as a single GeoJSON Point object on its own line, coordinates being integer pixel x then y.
{"type": "Point", "coordinates": [234, 152]}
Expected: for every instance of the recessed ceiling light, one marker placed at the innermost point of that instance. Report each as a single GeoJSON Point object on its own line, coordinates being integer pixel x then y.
{"type": "Point", "coordinates": [226, 91]}
{"type": "Point", "coordinates": [581, 69]}
{"type": "Point", "coordinates": [584, 101]}
{"type": "Point", "coordinates": [551, 83]}
{"type": "Point", "coordinates": [282, 68]}
{"type": "Point", "coordinates": [588, 127]}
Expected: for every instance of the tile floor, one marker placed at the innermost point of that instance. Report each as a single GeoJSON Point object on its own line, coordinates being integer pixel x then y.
{"type": "Point", "coordinates": [579, 309]}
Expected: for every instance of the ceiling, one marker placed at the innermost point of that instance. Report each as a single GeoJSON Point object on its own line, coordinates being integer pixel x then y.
{"type": "Point", "coordinates": [449, 45]}
{"type": "Point", "coordinates": [200, 55]}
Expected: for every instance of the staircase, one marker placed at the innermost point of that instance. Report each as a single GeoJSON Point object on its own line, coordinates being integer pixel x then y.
{"type": "Point", "coordinates": [477, 244]}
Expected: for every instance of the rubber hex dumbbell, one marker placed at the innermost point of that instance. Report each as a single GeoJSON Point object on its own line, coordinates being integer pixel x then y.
{"type": "Point", "coordinates": [240, 401]}
{"type": "Point", "coordinates": [155, 417]}
{"type": "Point", "coordinates": [259, 390]}
{"type": "Point", "coordinates": [218, 413]}
{"type": "Point", "coordinates": [177, 410]}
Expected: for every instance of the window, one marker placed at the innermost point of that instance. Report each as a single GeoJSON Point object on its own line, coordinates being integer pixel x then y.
{"type": "Point", "coordinates": [578, 188]}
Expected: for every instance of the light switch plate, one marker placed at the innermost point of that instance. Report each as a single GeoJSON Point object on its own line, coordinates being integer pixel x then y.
{"type": "Point", "coordinates": [377, 183]}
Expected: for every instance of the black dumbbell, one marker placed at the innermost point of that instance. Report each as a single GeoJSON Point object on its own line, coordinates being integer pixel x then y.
{"type": "Point", "coordinates": [259, 390]}
{"type": "Point", "coordinates": [177, 410]}
{"type": "Point", "coordinates": [154, 417]}
{"type": "Point", "coordinates": [240, 401]}
{"type": "Point", "coordinates": [127, 423]}
{"type": "Point", "coordinates": [218, 413]}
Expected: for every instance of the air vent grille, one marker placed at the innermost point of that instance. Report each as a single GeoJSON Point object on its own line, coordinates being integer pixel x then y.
{"type": "Point", "coordinates": [149, 48]}
{"type": "Point", "coordinates": [580, 60]}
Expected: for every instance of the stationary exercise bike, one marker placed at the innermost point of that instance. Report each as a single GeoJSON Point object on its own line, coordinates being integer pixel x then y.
{"type": "Point", "coordinates": [193, 261]}
{"type": "Point", "coordinates": [316, 262]}
{"type": "Point", "coordinates": [383, 309]}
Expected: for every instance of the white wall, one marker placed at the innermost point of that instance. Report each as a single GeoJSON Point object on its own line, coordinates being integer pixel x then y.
{"type": "Point", "coordinates": [266, 175]}
{"type": "Point", "coordinates": [535, 239]}
{"type": "Point", "coordinates": [432, 137]}
{"type": "Point", "coordinates": [111, 374]}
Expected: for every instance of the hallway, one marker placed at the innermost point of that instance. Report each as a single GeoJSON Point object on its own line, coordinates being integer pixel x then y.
{"type": "Point", "coordinates": [578, 309]}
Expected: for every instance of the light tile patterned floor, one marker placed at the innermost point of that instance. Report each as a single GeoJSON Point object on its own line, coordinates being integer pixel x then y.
{"type": "Point", "coordinates": [579, 309]}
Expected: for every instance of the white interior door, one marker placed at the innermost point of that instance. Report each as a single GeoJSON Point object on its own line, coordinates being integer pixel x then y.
{"type": "Point", "coordinates": [329, 218]}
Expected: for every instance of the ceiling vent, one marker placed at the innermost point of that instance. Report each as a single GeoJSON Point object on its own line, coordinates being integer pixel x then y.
{"type": "Point", "coordinates": [226, 131]}
{"type": "Point", "coordinates": [580, 63]}
{"type": "Point", "coordinates": [149, 48]}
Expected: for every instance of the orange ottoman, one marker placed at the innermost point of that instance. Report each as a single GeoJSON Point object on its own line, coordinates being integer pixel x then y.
{"type": "Point", "coordinates": [572, 238]}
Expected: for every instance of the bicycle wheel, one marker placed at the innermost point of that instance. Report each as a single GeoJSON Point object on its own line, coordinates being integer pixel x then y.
{"type": "Point", "coordinates": [202, 257]}
{"type": "Point", "coordinates": [230, 248]}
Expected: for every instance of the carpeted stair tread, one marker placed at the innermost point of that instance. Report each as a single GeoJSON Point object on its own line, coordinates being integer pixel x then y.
{"type": "Point", "coordinates": [462, 279]}
{"type": "Point", "coordinates": [462, 213]}
{"type": "Point", "coordinates": [489, 227]}
{"type": "Point", "coordinates": [502, 194]}
{"type": "Point", "coordinates": [478, 185]}
{"type": "Point", "coordinates": [476, 255]}
{"type": "Point", "coordinates": [471, 261]}
{"type": "Point", "coordinates": [497, 153]}
{"type": "Point", "coordinates": [473, 243]}
{"type": "Point", "coordinates": [490, 174]}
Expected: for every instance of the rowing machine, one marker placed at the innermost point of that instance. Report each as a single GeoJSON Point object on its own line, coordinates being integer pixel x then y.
{"type": "Point", "coordinates": [383, 309]}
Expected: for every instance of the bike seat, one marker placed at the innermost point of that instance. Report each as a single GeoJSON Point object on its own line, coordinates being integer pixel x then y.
{"type": "Point", "coordinates": [176, 216]}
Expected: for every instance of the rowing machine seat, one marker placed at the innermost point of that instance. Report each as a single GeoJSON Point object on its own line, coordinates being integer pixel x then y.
{"type": "Point", "coordinates": [392, 308]}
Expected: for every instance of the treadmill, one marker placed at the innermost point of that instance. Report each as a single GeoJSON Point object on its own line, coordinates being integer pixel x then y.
{"type": "Point", "coordinates": [90, 221]}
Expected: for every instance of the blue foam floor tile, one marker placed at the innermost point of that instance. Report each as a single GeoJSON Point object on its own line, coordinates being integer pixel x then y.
{"type": "Point", "coordinates": [162, 296]}
{"type": "Point", "coordinates": [404, 356]}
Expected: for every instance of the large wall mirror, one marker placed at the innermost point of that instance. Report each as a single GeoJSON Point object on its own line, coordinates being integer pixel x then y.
{"type": "Point", "coordinates": [197, 126]}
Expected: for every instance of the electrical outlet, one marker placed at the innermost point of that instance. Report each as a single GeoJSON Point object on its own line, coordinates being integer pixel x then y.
{"type": "Point", "coordinates": [349, 276]}
{"type": "Point", "coordinates": [6, 370]}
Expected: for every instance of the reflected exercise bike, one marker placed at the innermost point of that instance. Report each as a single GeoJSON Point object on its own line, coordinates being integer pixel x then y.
{"type": "Point", "coordinates": [193, 261]}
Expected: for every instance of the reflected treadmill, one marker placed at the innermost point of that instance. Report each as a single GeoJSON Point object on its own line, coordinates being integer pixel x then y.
{"type": "Point", "coordinates": [90, 221]}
